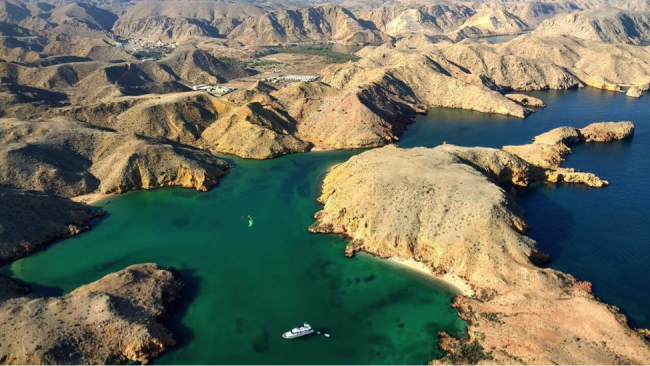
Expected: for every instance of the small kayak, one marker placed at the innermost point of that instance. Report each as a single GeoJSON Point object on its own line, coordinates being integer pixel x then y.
{"type": "Point", "coordinates": [250, 221]}
{"type": "Point", "coordinates": [298, 332]}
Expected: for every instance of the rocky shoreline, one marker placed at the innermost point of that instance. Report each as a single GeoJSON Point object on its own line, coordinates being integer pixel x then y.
{"type": "Point", "coordinates": [442, 207]}
{"type": "Point", "coordinates": [114, 320]}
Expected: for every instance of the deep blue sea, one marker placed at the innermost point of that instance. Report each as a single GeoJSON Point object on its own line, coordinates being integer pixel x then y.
{"type": "Point", "coordinates": [601, 235]}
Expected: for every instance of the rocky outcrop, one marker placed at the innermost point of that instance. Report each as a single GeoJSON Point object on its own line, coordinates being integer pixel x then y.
{"type": "Point", "coordinates": [345, 118]}
{"type": "Point", "coordinates": [196, 66]}
{"type": "Point", "coordinates": [253, 131]}
{"type": "Point", "coordinates": [30, 220]}
{"type": "Point", "coordinates": [549, 149]}
{"type": "Point", "coordinates": [489, 22]}
{"type": "Point", "coordinates": [67, 158]}
{"type": "Point", "coordinates": [634, 92]}
{"type": "Point", "coordinates": [609, 25]}
{"type": "Point", "coordinates": [114, 320]}
{"type": "Point", "coordinates": [180, 117]}
{"type": "Point", "coordinates": [442, 208]}
{"type": "Point", "coordinates": [606, 131]}
{"type": "Point", "coordinates": [319, 24]}
{"type": "Point", "coordinates": [422, 80]}
{"type": "Point", "coordinates": [526, 101]}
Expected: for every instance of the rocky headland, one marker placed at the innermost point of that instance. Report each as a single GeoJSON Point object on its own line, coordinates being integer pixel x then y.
{"type": "Point", "coordinates": [45, 163]}
{"type": "Point", "coordinates": [111, 321]}
{"type": "Point", "coordinates": [443, 207]}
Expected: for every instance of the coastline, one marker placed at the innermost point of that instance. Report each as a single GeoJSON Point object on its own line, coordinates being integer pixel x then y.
{"type": "Point", "coordinates": [92, 198]}
{"type": "Point", "coordinates": [456, 282]}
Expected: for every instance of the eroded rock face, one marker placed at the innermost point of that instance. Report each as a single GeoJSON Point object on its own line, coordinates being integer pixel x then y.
{"type": "Point", "coordinates": [68, 158]}
{"type": "Point", "coordinates": [441, 207]}
{"type": "Point", "coordinates": [113, 320]}
{"type": "Point", "coordinates": [30, 220]}
{"type": "Point", "coordinates": [253, 131]}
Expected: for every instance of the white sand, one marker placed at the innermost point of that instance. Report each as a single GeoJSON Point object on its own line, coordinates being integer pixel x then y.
{"type": "Point", "coordinates": [92, 198]}
{"type": "Point", "coordinates": [460, 284]}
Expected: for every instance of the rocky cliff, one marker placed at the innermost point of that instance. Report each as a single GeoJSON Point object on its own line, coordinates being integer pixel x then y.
{"type": "Point", "coordinates": [442, 208]}
{"type": "Point", "coordinates": [31, 220]}
{"type": "Point", "coordinates": [68, 158]}
{"type": "Point", "coordinates": [114, 320]}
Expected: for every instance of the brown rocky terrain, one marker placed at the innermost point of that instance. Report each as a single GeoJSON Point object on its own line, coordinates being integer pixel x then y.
{"type": "Point", "coordinates": [536, 63]}
{"type": "Point", "coordinates": [491, 21]}
{"type": "Point", "coordinates": [442, 207]}
{"type": "Point", "coordinates": [68, 158]}
{"type": "Point", "coordinates": [270, 129]}
{"type": "Point", "coordinates": [114, 320]}
{"type": "Point", "coordinates": [421, 78]}
{"type": "Point", "coordinates": [181, 20]}
{"type": "Point", "coordinates": [526, 100]}
{"type": "Point", "coordinates": [549, 150]}
{"type": "Point", "coordinates": [31, 220]}
{"type": "Point", "coordinates": [434, 19]}
{"type": "Point", "coordinates": [43, 162]}
{"type": "Point", "coordinates": [609, 25]}
{"type": "Point", "coordinates": [319, 24]}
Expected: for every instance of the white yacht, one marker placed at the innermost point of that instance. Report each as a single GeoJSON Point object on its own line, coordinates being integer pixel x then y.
{"type": "Point", "coordinates": [298, 332]}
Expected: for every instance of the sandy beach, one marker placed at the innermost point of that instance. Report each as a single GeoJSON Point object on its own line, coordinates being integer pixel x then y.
{"type": "Point", "coordinates": [460, 284]}
{"type": "Point", "coordinates": [92, 198]}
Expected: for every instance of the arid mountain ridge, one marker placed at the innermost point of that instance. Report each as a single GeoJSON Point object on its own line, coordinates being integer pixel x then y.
{"type": "Point", "coordinates": [267, 23]}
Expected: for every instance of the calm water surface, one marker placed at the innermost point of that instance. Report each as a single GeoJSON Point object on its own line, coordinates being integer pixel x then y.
{"type": "Point", "coordinates": [249, 285]}
{"type": "Point", "coordinates": [599, 235]}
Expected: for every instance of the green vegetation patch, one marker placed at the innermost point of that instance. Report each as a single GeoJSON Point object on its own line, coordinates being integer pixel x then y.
{"type": "Point", "coordinates": [333, 56]}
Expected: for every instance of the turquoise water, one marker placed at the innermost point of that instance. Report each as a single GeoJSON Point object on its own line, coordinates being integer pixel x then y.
{"type": "Point", "coordinates": [598, 235]}
{"type": "Point", "coordinates": [246, 286]}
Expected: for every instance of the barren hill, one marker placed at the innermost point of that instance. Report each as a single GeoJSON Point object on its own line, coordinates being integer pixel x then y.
{"type": "Point", "coordinates": [69, 158]}
{"type": "Point", "coordinates": [111, 321]}
{"type": "Point", "coordinates": [196, 66]}
{"type": "Point", "coordinates": [608, 25]}
{"type": "Point", "coordinates": [433, 19]}
{"type": "Point", "coordinates": [180, 20]}
{"type": "Point", "coordinates": [319, 24]}
{"type": "Point", "coordinates": [492, 22]}
{"type": "Point", "coordinates": [83, 14]}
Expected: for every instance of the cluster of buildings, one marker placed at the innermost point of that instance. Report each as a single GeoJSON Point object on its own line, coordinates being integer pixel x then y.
{"type": "Point", "coordinates": [146, 50]}
{"type": "Point", "coordinates": [214, 89]}
{"type": "Point", "coordinates": [290, 79]}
